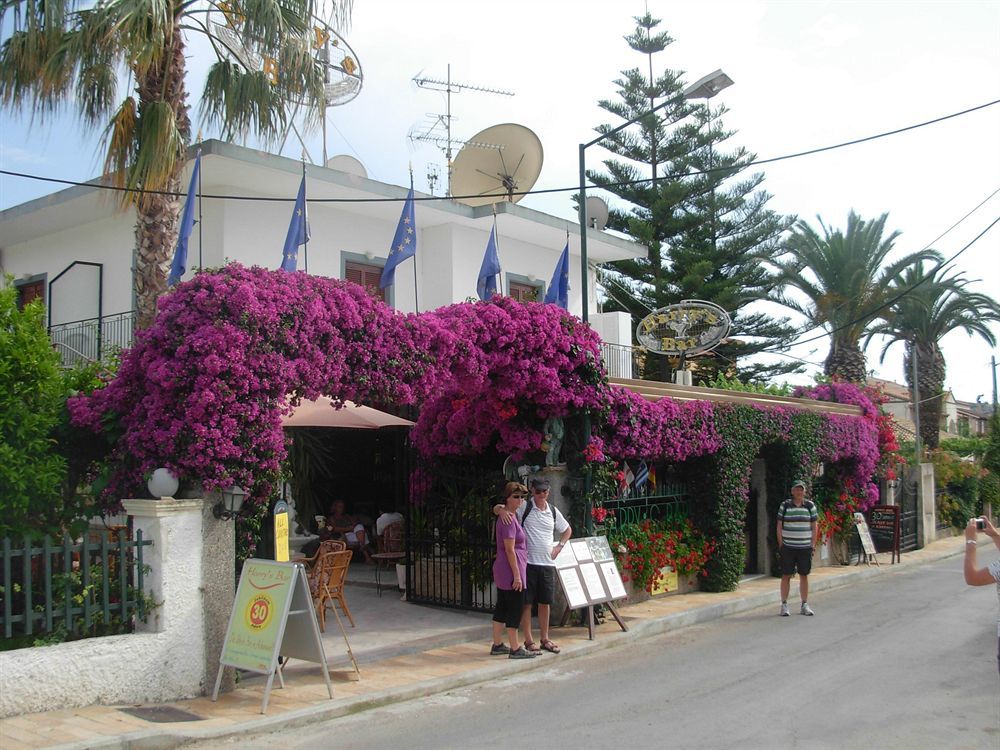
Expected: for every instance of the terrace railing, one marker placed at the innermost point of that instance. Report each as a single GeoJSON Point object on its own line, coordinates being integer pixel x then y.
{"type": "Point", "coordinates": [93, 339]}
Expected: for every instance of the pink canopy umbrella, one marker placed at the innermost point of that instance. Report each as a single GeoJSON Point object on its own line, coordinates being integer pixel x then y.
{"type": "Point", "coordinates": [321, 413]}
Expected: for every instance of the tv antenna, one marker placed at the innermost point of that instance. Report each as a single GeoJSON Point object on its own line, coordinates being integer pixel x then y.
{"type": "Point", "coordinates": [433, 175]}
{"type": "Point", "coordinates": [432, 133]}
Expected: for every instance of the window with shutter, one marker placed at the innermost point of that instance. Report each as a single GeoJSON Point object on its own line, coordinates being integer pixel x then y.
{"type": "Point", "coordinates": [31, 291]}
{"type": "Point", "coordinates": [524, 292]}
{"type": "Point", "coordinates": [365, 275]}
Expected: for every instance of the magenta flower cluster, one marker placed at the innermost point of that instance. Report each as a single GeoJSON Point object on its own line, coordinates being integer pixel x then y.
{"type": "Point", "coordinates": [202, 391]}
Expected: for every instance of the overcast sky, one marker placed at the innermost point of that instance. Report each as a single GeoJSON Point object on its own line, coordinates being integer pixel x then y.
{"type": "Point", "coordinates": [807, 74]}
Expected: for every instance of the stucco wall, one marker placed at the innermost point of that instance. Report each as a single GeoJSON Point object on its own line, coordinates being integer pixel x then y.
{"type": "Point", "coordinates": [174, 655]}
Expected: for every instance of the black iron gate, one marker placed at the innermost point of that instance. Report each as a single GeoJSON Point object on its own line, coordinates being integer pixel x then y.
{"type": "Point", "coordinates": [450, 544]}
{"type": "Point", "coordinates": [909, 486]}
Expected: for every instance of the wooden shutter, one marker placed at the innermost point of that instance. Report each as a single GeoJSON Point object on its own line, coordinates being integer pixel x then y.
{"type": "Point", "coordinates": [365, 275]}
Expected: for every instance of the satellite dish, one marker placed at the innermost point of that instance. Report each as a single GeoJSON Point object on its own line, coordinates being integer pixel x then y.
{"type": "Point", "coordinates": [348, 165]}
{"type": "Point", "coordinates": [501, 159]}
{"type": "Point", "coordinates": [597, 213]}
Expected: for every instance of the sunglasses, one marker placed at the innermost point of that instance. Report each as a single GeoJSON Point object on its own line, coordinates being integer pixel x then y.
{"type": "Point", "coordinates": [538, 492]}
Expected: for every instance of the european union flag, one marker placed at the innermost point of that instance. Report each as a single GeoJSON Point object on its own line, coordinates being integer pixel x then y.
{"type": "Point", "coordinates": [298, 230]}
{"type": "Point", "coordinates": [486, 286]}
{"type": "Point", "coordinates": [404, 244]}
{"type": "Point", "coordinates": [179, 264]}
{"type": "Point", "coordinates": [558, 291]}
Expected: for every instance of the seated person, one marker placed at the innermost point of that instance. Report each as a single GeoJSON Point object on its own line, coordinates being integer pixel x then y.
{"type": "Point", "coordinates": [385, 520]}
{"type": "Point", "coordinates": [340, 524]}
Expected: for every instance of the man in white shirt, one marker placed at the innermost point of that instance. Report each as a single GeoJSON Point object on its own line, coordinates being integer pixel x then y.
{"type": "Point", "coordinates": [541, 521]}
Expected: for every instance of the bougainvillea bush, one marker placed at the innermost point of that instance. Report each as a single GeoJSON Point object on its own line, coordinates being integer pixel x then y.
{"type": "Point", "coordinates": [201, 392]}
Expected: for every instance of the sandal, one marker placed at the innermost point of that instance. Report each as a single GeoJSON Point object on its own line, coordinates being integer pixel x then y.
{"type": "Point", "coordinates": [533, 647]}
{"type": "Point", "coordinates": [550, 646]}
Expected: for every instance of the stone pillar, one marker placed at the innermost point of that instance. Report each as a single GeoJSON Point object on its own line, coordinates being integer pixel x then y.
{"type": "Point", "coordinates": [218, 585]}
{"type": "Point", "coordinates": [926, 510]}
{"type": "Point", "coordinates": [173, 581]}
{"type": "Point", "coordinates": [192, 580]}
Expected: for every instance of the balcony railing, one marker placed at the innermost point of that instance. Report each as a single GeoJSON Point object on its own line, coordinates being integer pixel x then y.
{"type": "Point", "coordinates": [622, 361]}
{"type": "Point", "coordinates": [94, 339]}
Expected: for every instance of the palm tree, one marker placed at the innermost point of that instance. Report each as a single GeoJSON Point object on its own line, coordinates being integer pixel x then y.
{"type": "Point", "coordinates": [931, 303]}
{"type": "Point", "coordinates": [845, 277]}
{"type": "Point", "coordinates": [79, 53]}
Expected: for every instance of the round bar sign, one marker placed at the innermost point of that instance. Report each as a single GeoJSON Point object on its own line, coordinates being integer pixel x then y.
{"type": "Point", "coordinates": [690, 327]}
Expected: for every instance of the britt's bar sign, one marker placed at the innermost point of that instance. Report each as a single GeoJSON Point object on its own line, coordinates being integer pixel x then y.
{"type": "Point", "coordinates": [690, 327]}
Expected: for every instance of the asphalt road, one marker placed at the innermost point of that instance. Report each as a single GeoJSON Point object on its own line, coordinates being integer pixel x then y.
{"type": "Point", "coordinates": [906, 660]}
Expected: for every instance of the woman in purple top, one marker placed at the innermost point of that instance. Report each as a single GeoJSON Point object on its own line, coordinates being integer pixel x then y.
{"type": "Point", "coordinates": [509, 572]}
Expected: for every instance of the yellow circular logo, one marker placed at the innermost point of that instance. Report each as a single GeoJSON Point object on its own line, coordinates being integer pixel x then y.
{"type": "Point", "coordinates": [259, 612]}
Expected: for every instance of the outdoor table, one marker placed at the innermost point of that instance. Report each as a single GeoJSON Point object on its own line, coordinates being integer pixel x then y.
{"type": "Point", "coordinates": [386, 558]}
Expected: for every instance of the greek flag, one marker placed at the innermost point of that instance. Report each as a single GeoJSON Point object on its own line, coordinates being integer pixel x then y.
{"type": "Point", "coordinates": [641, 477]}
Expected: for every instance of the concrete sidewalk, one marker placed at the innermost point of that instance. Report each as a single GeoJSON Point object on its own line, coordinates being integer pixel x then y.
{"type": "Point", "coordinates": [405, 651]}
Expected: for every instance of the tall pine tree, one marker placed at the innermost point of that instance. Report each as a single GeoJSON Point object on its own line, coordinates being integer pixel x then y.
{"type": "Point", "coordinates": [707, 229]}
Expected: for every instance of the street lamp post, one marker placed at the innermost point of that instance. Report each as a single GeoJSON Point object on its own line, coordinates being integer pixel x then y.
{"type": "Point", "coordinates": [714, 83]}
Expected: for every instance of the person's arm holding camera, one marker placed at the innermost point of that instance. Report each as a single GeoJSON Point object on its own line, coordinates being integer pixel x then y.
{"type": "Point", "coordinates": [975, 576]}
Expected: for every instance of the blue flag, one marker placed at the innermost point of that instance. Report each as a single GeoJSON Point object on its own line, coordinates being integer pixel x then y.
{"type": "Point", "coordinates": [558, 291]}
{"type": "Point", "coordinates": [179, 264]}
{"type": "Point", "coordinates": [298, 230]}
{"type": "Point", "coordinates": [486, 286]}
{"type": "Point", "coordinates": [404, 244]}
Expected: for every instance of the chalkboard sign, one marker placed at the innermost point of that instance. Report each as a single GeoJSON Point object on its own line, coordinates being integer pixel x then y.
{"type": "Point", "coordinates": [883, 521]}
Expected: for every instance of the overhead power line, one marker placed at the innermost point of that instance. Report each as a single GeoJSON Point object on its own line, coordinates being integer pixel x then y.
{"type": "Point", "coordinates": [505, 195]}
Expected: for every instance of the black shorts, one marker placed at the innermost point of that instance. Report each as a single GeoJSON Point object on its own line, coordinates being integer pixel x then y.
{"type": "Point", "coordinates": [509, 606]}
{"type": "Point", "coordinates": [540, 588]}
{"type": "Point", "coordinates": [796, 557]}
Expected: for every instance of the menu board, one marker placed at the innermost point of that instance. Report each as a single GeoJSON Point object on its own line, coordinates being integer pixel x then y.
{"type": "Point", "coordinates": [588, 573]}
{"type": "Point", "coordinates": [883, 522]}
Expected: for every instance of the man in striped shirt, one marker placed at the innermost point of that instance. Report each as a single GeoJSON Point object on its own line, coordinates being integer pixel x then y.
{"type": "Point", "coordinates": [797, 533]}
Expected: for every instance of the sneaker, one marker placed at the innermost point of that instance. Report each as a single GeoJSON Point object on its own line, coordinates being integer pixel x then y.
{"type": "Point", "coordinates": [784, 609]}
{"type": "Point", "coordinates": [521, 653]}
{"type": "Point", "coordinates": [806, 610]}
{"type": "Point", "coordinates": [499, 649]}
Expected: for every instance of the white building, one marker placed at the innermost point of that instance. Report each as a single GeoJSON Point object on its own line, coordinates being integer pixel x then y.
{"type": "Point", "coordinates": [74, 248]}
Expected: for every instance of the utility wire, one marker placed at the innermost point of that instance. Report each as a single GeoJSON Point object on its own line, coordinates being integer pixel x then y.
{"type": "Point", "coordinates": [609, 186]}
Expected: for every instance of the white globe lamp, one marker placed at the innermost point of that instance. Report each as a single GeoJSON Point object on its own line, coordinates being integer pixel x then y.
{"type": "Point", "coordinates": [162, 484]}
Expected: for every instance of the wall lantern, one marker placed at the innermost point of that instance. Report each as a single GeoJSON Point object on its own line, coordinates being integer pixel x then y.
{"type": "Point", "coordinates": [232, 501]}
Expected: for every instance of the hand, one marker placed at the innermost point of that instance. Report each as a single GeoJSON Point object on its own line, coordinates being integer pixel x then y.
{"type": "Point", "coordinates": [971, 530]}
{"type": "Point", "coordinates": [991, 530]}
{"type": "Point", "coordinates": [505, 516]}
{"type": "Point", "coordinates": [517, 583]}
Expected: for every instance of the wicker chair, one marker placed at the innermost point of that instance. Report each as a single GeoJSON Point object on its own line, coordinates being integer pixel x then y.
{"type": "Point", "coordinates": [329, 545]}
{"type": "Point", "coordinates": [326, 584]}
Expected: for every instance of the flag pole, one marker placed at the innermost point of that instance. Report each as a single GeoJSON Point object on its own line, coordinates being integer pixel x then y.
{"type": "Point", "coordinates": [496, 237]}
{"type": "Point", "coordinates": [198, 156]}
{"type": "Point", "coordinates": [416, 297]}
{"type": "Point", "coordinates": [305, 216]}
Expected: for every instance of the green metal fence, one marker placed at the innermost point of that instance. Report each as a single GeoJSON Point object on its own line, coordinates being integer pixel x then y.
{"type": "Point", "coordinates": [76, 588]}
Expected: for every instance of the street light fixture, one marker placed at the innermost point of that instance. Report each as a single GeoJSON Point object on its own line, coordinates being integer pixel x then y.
{"type": "Point", "coordinates": [232, 501]}
{"type": "Point", "coordinates": [714, 83]}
